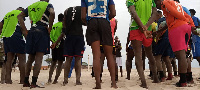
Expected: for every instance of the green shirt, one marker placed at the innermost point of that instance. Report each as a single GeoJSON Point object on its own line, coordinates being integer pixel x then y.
{"type": "Point", "coordinates": [143, 10]}
{"type": "Point", "coordinates": [56, 31]}
{"type": "Point", "coordinates": [36, 11]}
{"type": "Point", "coordinates": [10, 23]}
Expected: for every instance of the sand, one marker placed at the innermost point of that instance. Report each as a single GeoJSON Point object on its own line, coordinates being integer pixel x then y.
{"type": "Point", "coordinates": [89, 82]}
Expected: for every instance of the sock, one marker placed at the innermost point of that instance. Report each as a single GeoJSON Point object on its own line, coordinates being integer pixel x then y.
{"type": "Point", "coordinates": [182, 78]}
{"type": "Point", "coordinates": [150, 73]}
{"type": "Point", "coordinates": [26, 80]}
{"type": "Point", "coordinates": [161, 74]}
{"type": "Point", "coordinates": [34, 80]}
{"type": "Point", "coordinates": [189, 77]}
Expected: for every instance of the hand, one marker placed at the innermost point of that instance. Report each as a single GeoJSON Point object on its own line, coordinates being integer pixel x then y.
{"type": "Point", "coordinates": [53, 45]}
{"type": "Point", "coordinates": [147, 34]}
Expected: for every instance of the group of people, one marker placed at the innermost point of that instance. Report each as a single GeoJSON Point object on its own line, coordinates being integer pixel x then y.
{"type": "Point", "coordinates": [160, 39]}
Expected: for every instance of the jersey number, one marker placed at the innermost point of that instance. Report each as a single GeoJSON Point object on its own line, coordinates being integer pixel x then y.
{"type": "Point", "coordinates": [94, 6]}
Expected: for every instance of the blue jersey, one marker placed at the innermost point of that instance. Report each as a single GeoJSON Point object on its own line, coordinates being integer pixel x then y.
{"type": "Point", "coordinates": [97, 8]}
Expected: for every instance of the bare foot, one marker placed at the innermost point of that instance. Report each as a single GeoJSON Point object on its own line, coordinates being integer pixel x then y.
{"type": "Point", "coordinates": [98, 86]}
{"type": "Point", "coordinates": [54, 82]}
{"type": "Point", "coordinates": [78, 83]}
{"type": "Point", "coordinates": [144, 86]}
{"type": "Point", "coordinates": [49, 81]}
{"type": "Point", "coordinates": [156, 80]}
{"type": "Point", "coordinates": [114, 86]}
{"type": "Point", "coordinates": [65, 82]}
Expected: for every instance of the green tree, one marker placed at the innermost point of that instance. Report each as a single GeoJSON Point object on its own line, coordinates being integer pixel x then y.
{"type": "Point", "coordinates": [48, 60]}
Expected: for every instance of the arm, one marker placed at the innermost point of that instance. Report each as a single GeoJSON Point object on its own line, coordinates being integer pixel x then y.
{"type": "Point", "coordinates": [51, 19]}
{"type": "Point", "coordinates": [152, 18]}
{"type": "Point", "coordinates": [83, 15]}
{"type": "Point", "coordinates": [112, 11]}
{"type": "Point", "coordinates": [21, 17]}
{"type": "Point", "coordinates": [1, 26]}
{"type": "Point", "coordinates": [59, 39]}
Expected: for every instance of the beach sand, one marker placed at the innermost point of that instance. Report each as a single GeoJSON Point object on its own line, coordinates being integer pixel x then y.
{"type": "Point", "coordinates": [89, 82]}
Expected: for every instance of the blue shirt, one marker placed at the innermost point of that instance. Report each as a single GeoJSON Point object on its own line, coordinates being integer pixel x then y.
{"type": "Point", "coordinates": [97, 8]}
{"type": "Point", "coordinates": [196, 20]}
{"type": "Point", "coordinates": [186, 10]}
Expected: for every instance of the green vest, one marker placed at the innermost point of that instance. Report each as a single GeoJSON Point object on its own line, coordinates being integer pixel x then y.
{"type": "Point", "coordinates": [143, 10]}
{"type": "Point", "coordinates": [10, 23]}
{"type": "Point", "coordinates": [56, 31]}
{"type": "Point", "coordinates": [36, 10]}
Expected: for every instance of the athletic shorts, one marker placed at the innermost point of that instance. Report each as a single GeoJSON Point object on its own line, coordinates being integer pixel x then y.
{"type": "Point", "coordinates": [138, 35]}
{"type": "Point", "coordinates": [99, 29]}
{"type": "Point", "coordinates": [14, 44]}
{"type": "Point", "coordinates": [162, 47]}
{"type": "Point", "coordinates": [196, 49]}
{"type": "Point", "coordinates": [102, 51]}
{"type": "Point", "coordinates": [179, 37]}
{"type": "Point", "coordinates": [119, 61]}
{"type": "Point", "coordinates": [172, 55]}
{"type": "Point", "coordinates": [38, 40]}
{"type": "Point", "coordinates": [74, 46]}
{"type": "Point", "coordinates": [57, 53]}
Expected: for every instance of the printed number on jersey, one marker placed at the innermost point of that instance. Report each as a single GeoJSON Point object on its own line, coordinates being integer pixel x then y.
{"type": "Point", "coordinates": [179, 8]}
{"type": "Point", "coordinates": [97, 8]}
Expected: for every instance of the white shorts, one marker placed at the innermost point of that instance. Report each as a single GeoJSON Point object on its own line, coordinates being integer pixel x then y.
{"type": "Point", "coordinates": [119, 61]}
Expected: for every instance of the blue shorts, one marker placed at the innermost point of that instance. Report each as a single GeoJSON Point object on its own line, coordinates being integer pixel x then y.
{"type": "Point", "coordinates": [162, 47]}
{"type": "Point", "coordinates": [38, 40]}
{"type": "Point", "coordinates": [196, 49]}
{"type": "Point", "coordinates": [171, 55]}
{"type": "Point", "coordinates": [74, 46]}
{"type": "Point", "coordinates": [14, 44]}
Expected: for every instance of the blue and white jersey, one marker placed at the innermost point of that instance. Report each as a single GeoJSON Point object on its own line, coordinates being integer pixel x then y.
{"type": "Point", "coordinates": [97, 8]}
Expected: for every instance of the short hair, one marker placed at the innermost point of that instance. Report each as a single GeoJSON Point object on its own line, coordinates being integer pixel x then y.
{"type": "Point", "coordinates": [177, 1]}
{"type": "Point", "coordinates": [192, 11]}
{"type": "Point", "coordinates": [159, 12]}
{"type": "Point", "coordinates": [20, 8]}
{"type": "Point", "coordinates": [60, 17]}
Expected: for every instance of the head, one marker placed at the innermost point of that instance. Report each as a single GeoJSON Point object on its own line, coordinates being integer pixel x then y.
{"type": "Point", "coordinates": [60, 17]}
{"type": "Point", "coordinates": [116, 38]}
{"type": "Point", "coordinates": [158, 3]}
{"type": "Point", "coordinates": [20, 8]}
{"type": "Point", "coordinates": [159, 15]}
{"type": "Point", "coordinates": [192, 11]}
{"type": "Point", "coordinates": [45, 0]}
{"type": "Point", "coordinates": [177, 1]}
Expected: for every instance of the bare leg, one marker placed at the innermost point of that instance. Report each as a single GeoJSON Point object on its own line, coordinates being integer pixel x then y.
{"type": "Point", "coordinates": [102, 62]}
{"type": "Point", "coordinates": [3, 73]}
{"type": "Point", "coordinates": [78, 70]}
{"type": "Point", "coordinates": [148, 51]}
{"type": "Point", "coordinates": [173, 62]}
{"type": "Point", "coordinates": [121, 71]}
{"type": "Point", "coordinates": [159, 67]}
{"type": "Point", "coordinates": [38, 63]}
{"type": "Point", "coordinates": [164, 68]}
{"type": "Point", "coordinates": [58, 71]}
{"type": "Point", "coordinates": [169, 67]}
{"type": "Point", "coordinates": [143, 58]}
{"type": "Point", "coordinates": [111, 62]}
{"type": "Point", "coordinates": [9, 61]}
{"type": "Point", "coordinates": [138, 61]}
{"type": "Point", "coordinates": [96, 62]}
{"type": "Point", "coordinates": [130, 55]}
{"type": "Point", "coordinates": [67, 66]}
{"type": "Point", "coordinates": [22, 63]}
{"type": "Point", "coordinates": [116, 68]}
{"type": "Point", "coordinates": [53, 64]}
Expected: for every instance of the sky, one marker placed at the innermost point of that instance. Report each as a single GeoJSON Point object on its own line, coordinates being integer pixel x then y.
{"type": "Point", "coordinates": [122, 16]}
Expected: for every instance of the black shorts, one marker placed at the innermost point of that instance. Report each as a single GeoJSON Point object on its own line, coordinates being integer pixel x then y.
{"type": "Point", "coordinates": [99, 29]}
{"type": "Point", "coordinates": [102, 51]}
{"type": "Point", "coordinates": [57, 53]}
{"type": "Point", "coordinates": [74, 46]}
{"type": "Point", "coordinates": [38, 40]}
{"type": "Point", "coordinates": [162, 47]}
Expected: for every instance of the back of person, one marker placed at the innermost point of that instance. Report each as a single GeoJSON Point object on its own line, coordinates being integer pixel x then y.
{"type": "Point", "coordinates": [74, 22]}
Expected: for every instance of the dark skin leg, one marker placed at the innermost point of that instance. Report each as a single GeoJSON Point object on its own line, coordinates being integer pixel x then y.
{"type": "Point", "coordinates": [96, 62]}
{"type": "Point", "coordinates": [10, 58]}
{"type": "Point", "coordinates": [198, 59]}
{"type": "Point", "coordinates": [22, 63]}
{"type": "Point", "coordinates": [67, 66]}
{"type": "Point", "coordinates": [78, 70]}
{"type": "Point", "coordinates": [173, 62]}
{"type": "Point", "coordinates": [116, 68]}
{"type": "Point", "coordinates": [138, 61]}
{"type": "Point", "coordinates": [148, 51]}
{"type": "Point", "coordinates": [168, 64]}
{"type": "Point", "coordinates": [111, 63]}
{"type": "Point", "coordinates": [3, 73]}
{"type": "Point", "coordinates": [164, 68]}
{"type": "Point", "coordinates": [38, 63]}
{"type": "Point", "coordinates": [158, 62]}
{"type": "Point", "coordinates": [121, 71]}
{"type": "Point", "coordinates": [143, 58]}
{"type": "Point", "coordinates": [189, 65]}
{"type": "Point", "coordinates": [102, 62]}
{"type": "Point", "coordinates": [31, 59]}
{"type": "Point", "coordinates": [58, 71]}
{"type": "Point", "coordinates": [53, 64]}
{"type": "Point", "coordinates": [182, 62]}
